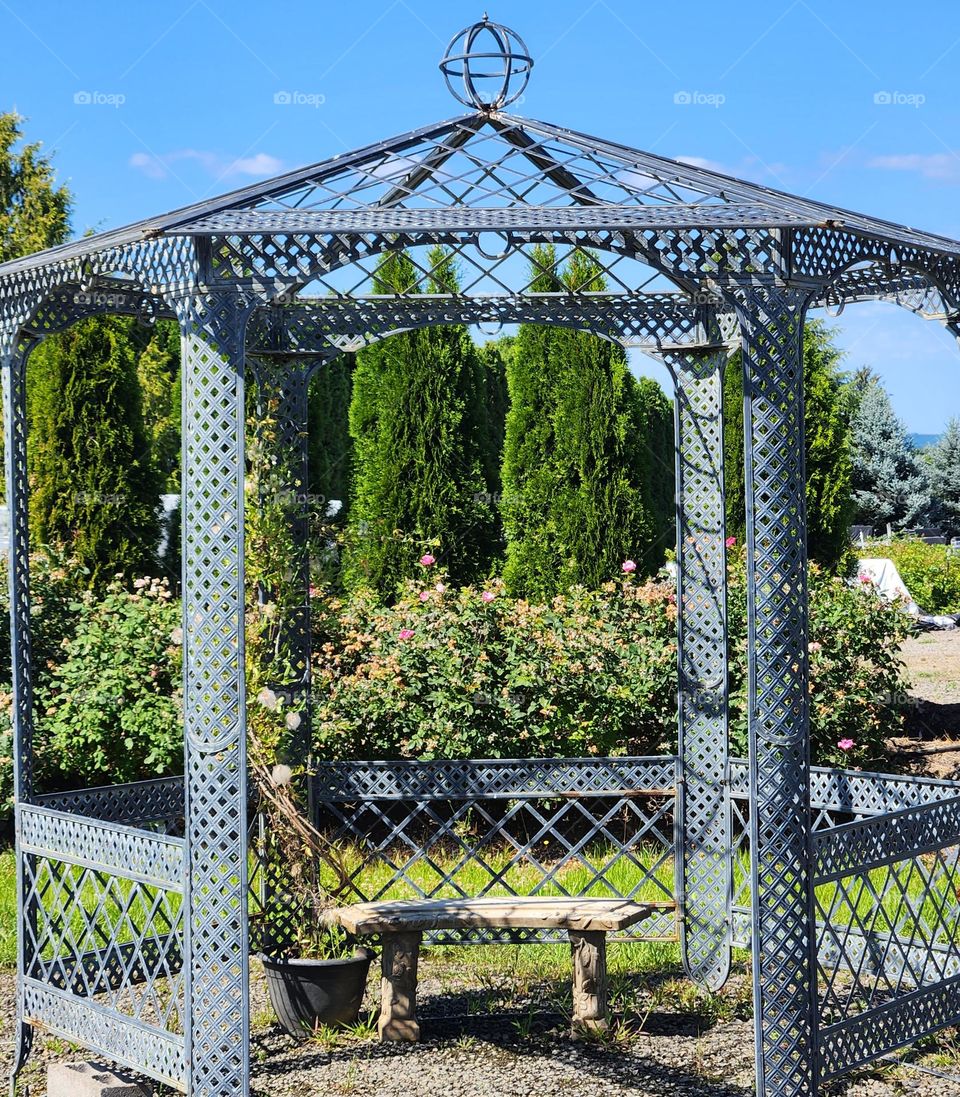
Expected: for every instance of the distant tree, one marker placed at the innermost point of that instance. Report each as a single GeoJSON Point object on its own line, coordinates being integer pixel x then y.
{"type": "Point", "coordinates": [654, 436]}
{"type": "Point", "coordinates": [576, 473]}
{"type": "Point", "coordinates": [493, 358]}
{"type": "Point", "coordinates": [418, 478]}
{"type": "Point", "coordinates": [158, 375]}
{"type": "Point", "coordinates": [94, 488]}
{"type": "Point", "coordinates": [943, 464]}
{"type": "Point", "coordinates": [34, 210]}
{"type": "Point", "coordinates": [329, 445]}
{"type": "Point", "coordinates": [890, 482]}
{"type": "Point", "coordinates": [827, 456]}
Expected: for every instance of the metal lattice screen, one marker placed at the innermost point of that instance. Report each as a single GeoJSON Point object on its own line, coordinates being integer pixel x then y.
{"type": "Point", "coordinates": [595, 827]}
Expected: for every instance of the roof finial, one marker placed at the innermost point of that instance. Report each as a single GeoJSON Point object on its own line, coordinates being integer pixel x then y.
{"type": "Point", "coordinates": [489, 72]}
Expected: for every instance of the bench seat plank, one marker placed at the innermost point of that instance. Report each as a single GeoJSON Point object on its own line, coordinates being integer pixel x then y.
{"type": "Point", "coordinates": [511, 912]}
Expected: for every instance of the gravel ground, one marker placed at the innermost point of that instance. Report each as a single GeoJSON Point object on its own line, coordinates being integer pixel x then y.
{"type": "Point", "coordinates": [511, 1052]}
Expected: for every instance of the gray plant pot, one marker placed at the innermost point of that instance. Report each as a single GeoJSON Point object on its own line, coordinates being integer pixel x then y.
{"type": "Point", "coordinates": [308, 993]}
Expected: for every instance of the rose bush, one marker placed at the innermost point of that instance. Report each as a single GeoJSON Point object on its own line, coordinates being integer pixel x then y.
{"type": "Point", "coordinates": [473, 673]}
{"type": "Point", "coordinates": [448, 673]}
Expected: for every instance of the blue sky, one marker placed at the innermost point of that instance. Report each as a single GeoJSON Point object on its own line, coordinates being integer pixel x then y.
{"type": "Point", "coordinates": [149, 107]}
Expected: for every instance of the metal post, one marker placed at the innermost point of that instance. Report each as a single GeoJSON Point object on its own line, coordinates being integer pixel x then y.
{"type": "Point", "coordinates": [217, 1024]}
{"type": "Point", "coordinates": [704, 805]}
{"type": "Point", "coordinates": [14, 352]}
{"type": "Point", "coordinates": [784, 928]}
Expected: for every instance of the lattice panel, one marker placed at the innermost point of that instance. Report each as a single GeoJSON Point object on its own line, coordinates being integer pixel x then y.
{"type": "Point", "coordinates": [158, 801]}
{"type": "Point", "coordinates": [214, 701]}
{"type": "Point", "coordinates": [771, 322]}
{"type": "Point", "coordinates": [103, 948]}
{"type": "Point", "coordinates": [887, 901]}
{"type": "Point", "coordinates": [702, 647]}
{"type": "Point", "coordinates": [544, 827]}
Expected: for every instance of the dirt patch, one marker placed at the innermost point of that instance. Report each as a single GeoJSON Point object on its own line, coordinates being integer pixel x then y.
{"type": "Point", "coordinates": [931, 743]}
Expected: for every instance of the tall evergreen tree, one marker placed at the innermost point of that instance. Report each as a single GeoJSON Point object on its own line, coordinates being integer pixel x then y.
{"type": "Point", "coordinates": [329, 446]}
{"type": "Point", "coordinates": [576, 496]}
{"type": "Point", "coordinates": [418, 475]}
{"type": "Point", "coordinates": [34, 210]}
{"type": "Point", "coordinates": [827, 430]}
{"type": "Point", "coordinates": [94, 489]}
{"type": "Point", "coordinates": [493, 358]}
{"type": "Point", "coordinates": [889, 481]}
{"type": "Point", "coordinates": [654, 434]}
{"type": "Point", "coordinates": [943, 463]}
{"type": "Point", "coordinates": [158, 375]}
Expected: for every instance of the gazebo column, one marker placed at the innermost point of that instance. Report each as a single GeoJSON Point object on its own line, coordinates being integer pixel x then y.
{"type": "Point", "coordinates": [217, 1023]}
{"type": "Point", "coordinates": [14, 352]}
{"type": "Point", "coordinates": [704, 805]}
{"type": "Point", "coordinates": [784, 927]}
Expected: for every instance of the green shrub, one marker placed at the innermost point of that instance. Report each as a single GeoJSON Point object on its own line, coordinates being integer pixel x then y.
{"type": "Point", "coordinates": [110, 709]}
{"type": "Point", "coordinates": [931, 575]}
{"type": "Point", "coordinates": [856, 683]}
{"type": "Point", "coordinates": [445, 674]}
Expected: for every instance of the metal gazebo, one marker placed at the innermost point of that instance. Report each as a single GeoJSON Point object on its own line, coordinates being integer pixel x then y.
{"type": "Point", "coordinates": [134, 899]}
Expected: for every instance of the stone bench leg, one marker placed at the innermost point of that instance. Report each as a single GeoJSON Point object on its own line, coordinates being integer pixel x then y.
{"type": "Point", "coordinates": [398, 988]}
{"type": "Point", "coordinates": [589, 951]}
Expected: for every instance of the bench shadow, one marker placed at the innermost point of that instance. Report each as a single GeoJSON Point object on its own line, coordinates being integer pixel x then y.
{"type": "Point", "coordinates": [534, 1027]}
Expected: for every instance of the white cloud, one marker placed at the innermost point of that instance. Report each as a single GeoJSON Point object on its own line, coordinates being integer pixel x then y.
{"type": "Point", "coordinates": [220, 167]}
{"type": "Point", "coordinates": [943, 166]}
{"type": "Point", "coordinates": [703, 162]}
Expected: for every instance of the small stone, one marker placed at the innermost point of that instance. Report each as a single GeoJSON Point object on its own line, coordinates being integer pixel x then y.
{"type": "Point", "coordinates": [91, 1080]}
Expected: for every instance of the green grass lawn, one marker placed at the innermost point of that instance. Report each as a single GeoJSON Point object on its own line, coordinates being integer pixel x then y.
{"type": "Point", "coordinates": [8, 909]}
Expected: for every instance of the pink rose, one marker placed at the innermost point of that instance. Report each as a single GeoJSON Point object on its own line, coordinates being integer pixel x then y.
{"type": "Point", "coordinates": [424, 596]}
{"type": "Point", "coordinates": [427, 560]}
{"type": "Point", "coordinates": [440, 588]}
{"type": "Point", "coordinates": [845, 744]}
{"type": "Point", "coordinates": [487, 596]}
{"type": "Point", "coordinates": [628, 566]}
{"type": "Point", "coordinates": [406, 633]}
{"type": "Point", "coordinates": [730, 542]}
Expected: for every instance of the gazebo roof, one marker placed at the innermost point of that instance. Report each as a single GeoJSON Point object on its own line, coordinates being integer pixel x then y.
{"type": "Point", "coordinates": [492, 171]}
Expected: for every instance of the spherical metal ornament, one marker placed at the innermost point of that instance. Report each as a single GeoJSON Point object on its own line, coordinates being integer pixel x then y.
{"type": "Point", "coordinates": [486, 66]}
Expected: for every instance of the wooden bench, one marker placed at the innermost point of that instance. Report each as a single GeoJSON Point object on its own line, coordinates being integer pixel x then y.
{"type": "Point", "coordinates": [403, 923]}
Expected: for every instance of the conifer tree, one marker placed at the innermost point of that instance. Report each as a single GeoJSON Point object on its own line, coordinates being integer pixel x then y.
{"type": "Point", "coordinates": [94, 489]}
{"type": "Point", "coordinates": [654, 432]}
{"type": "Point", "coordinates": [34, 210]}
{"type": "Point", "coordinates": [576, 483]}
{"type": "Point", "coordinates": [890, 482]}
{"type": "Point", "coordinates": [418, 480]}
{"type": "Point", "coordinates": [943, 463]}
{"type": "Point", "coordinates": [329, 445]}
{"type": "Point", "coordinates": [827, 430]}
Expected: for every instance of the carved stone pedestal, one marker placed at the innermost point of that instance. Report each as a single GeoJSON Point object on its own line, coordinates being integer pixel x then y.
{"type": "Point", "coordinates": [398, 994]}
{"type": "Point", "coordinates": [589, 951]}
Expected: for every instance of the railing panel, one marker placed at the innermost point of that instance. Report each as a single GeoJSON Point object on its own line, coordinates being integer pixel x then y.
{"type": "Point", "coordinates": [103, 948]}
{"type": "Point", "coordinates": [592, 826]}
{"type": "Point", "coordinates": [888, 914]}
{"type": "Point", "coordinates": [137, 803]}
